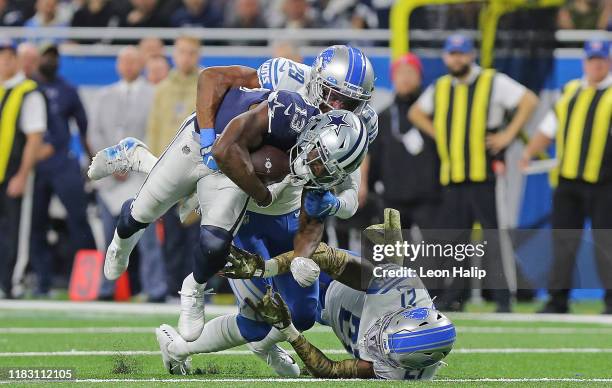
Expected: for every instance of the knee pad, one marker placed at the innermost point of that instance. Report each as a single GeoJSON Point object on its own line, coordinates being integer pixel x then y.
{"type": "Point", "coordinates": [127, 225]}
{"type": "Point", "coordinates": [251, 330]}
{"type": "Point", "coordinates": [304, 314]}
{"type": "Point", "coordinates": [212, 252]}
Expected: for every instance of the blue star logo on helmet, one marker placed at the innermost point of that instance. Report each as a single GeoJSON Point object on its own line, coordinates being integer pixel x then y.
{"type": "Point", "coordinates": [420, 314]}
{"type": "Point", "coordinates": [337, 121]}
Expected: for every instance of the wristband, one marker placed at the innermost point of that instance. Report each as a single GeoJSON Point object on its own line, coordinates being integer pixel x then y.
{"type": "Point", "coordinates": [290, 332]}
{"type": "Point", "coordinates": [270, 268]}
{"type": "Point", "coordinates": [207, 137]}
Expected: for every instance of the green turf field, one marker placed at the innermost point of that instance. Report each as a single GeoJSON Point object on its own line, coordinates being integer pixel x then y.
{"type": "Point", "coordinates": [119, 349]}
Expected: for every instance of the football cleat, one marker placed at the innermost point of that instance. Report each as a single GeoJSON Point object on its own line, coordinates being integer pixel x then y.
{"type": "Point", "coordinates": [120, 158]}
{"type": "Point", "coordinates": [191, 318]}
{"type": "Point", "coordinates": [173, 348]}
{"type": "Point", "coordinates": [118, 255]}
{"type": "Point", "coordinates": [279, 360]}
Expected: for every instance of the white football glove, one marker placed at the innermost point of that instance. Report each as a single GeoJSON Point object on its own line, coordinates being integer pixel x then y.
{"type": "Point", "coordinates": [305, 271]}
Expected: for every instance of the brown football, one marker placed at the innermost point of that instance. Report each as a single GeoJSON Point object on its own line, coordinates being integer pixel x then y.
{"type": "Point", "coordinates": [271, 164]}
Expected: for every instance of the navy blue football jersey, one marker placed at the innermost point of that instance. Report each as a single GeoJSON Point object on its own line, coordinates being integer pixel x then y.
{"type": "Point", "coordinates": [288, 112]}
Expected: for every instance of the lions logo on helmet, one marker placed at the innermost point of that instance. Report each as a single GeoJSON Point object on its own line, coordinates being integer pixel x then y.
{"type": "Point", "coordinates": [411, 338]}
{"type": "Point", "coordinates": [330, 147]}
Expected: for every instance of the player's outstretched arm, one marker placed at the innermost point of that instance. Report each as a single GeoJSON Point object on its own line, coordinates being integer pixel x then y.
{"type": "Point", "coordinates": [340, 265]}
{"type": "Point", "coordinates": [310, 233]}
{"type": "Point", "coordinates": [213, 83]}
{"type": "Point", "coordinates": [273, 310]}
{"type": "Point", "coordinates": [232, 151]}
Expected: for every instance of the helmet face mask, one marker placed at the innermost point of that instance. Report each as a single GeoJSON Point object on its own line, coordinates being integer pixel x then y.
{"type": "Point", "coordinates": [329, 148]}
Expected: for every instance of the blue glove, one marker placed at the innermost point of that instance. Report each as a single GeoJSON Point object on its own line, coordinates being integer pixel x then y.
{"type": "Point", "coordinates": [207, 139]}
{"type": "Point", "coordinates": [321, 204]}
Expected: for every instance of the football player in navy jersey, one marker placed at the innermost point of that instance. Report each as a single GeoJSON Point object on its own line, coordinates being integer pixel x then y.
{"type": "Point", "coordinates": [271, 230]}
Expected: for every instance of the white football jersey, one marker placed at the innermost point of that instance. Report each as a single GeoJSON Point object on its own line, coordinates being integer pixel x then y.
{"type": "Point", "coordinates": [351, 313]}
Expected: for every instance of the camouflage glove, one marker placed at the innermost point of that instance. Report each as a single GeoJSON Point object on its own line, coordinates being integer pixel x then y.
{"type": "Point", "coordinates": [272, 309]}
{"type": "Point", "coordinates": [243, 265]}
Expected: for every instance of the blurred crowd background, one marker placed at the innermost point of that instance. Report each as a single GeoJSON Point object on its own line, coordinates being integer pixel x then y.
{"type": "Point", "coordinates": [355, 14]}
{"type": "Point", "coordinates": [155, 90]}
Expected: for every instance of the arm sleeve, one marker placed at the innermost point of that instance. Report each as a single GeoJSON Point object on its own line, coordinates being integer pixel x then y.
{"type": "Point", "coordinates": [548, 126]}
{"type": "Point", "coordinates": [508, 92]}
{"type": "Point", "coordinates": [282, 74]}
{"type": "Point", "coordinates": [348, 195]}
{"type": "Point", "coordinates": [426, 101]}
{"type": "Point", "coordinates": [34, 118]}
{"type": "Point", "coordinates": [370, 120]}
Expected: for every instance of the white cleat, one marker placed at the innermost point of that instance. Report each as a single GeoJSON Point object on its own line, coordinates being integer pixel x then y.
{"type": "Point", "coordinates": [173, 350]}
{"type": "Point", "coordinates": [279, 360]}
{"type": "Point", "coordinates": [118, 257]}
{"type": "Point", "coordinates": [120, 158]}
{"type": "Point", "coordinates": [191, 319]}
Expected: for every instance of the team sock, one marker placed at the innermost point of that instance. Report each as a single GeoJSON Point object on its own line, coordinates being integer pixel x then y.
{"type": "Point", "coordinates": [218, 334]}
{"type": "Point", "coordinates": [273, 337]}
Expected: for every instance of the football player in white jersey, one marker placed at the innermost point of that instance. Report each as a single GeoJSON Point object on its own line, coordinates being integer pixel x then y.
{"type": "Point", "coordinates": [388, 325]}
{"type": "Point", "coordinates": [341, 77]}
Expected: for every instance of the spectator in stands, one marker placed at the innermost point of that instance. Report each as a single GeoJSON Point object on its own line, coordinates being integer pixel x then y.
{"type": "Point", "coordinates": [29, 59]}
{"type": "Point", "coordinates": [25, 122]}
{"type": "Point", "coordinates": [144, 13]}
{"type": "Point", "coordinates": [49, 13]}
{"type": "Point", "coordinates": [122, 110]}
{"type": "Point", "coordinates": [585, 15]}
{"type": "Point", "coordinates": [151, 47]}
{"type": "Point", "coordinates": [174, 100]}
{"type": "Point", "coordinates": [197, 13]}
{"type": "Point", "coordinates": [298, 14]}
{"type": "Point", "coordinates": [10, 15]}
{"type": "Point", "coordinates": [95, 13]}
{"type": "Point", "coordinates": [58, 172]}
{"type": "Point", "coordinates": [287, 50]}
{"type": "Point", "coordinates": [247, 14]}
{"type": "Point", "coordinates": [157, 69]}
{"type": "Point", "coordinates": [417, 194]}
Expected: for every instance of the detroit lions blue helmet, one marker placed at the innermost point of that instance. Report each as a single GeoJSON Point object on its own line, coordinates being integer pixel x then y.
{"type": "Point", "coordinates": [341, 77]}
{"type": "Point", "coordinates": [411, 338]}
{"type": "Point", "coordinates": [330, 147]}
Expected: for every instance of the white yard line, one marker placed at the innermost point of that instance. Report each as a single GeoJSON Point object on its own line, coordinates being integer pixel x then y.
{"type": "Point", "coordinates": [316, 329]}
{"type": "Point", "coordinates": [313, 380]}
{"type": "Point", "coordinates": [150, 308]}
{"type": "Point", "coordinates": [79, 353]}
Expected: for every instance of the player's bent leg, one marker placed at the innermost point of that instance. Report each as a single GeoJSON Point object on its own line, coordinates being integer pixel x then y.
{"type": "Point", "coordinates": [175, 175]}
{"type": "Point", "coordinates": [223, 206]}
{"type": "Point", "coordinates": [126, 236]}
{"type": "Point", "coordinates": [130, 154]}
{"type": "Point", "coordinates": [209, 258]}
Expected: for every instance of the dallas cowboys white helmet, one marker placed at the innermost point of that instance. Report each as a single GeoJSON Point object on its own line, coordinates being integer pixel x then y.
{"type": "Point", "coordinates": [341, 77]}
{"type": "Point", "coordinates": [411, 338]}
{"type": "Point", "coordinates": [330, 147]}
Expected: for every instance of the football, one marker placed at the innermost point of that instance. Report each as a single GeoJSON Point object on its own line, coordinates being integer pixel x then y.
{"type": "Point", "coordinates": [271, 164]}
